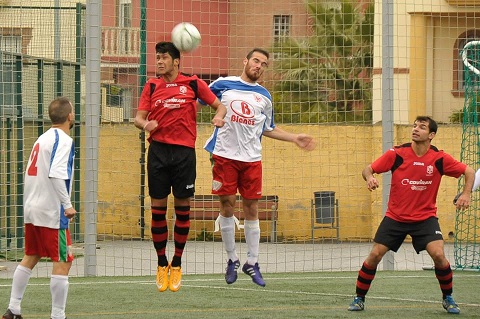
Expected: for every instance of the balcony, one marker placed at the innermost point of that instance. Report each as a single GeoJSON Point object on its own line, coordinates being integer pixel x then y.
{"type": "Point", "coordinates": [120, 44]}
{"type": "Point", "coordinates": [463, 3]}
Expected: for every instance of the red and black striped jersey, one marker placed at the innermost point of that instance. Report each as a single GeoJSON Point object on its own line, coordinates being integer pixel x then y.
{"type": "Point", "coordinates": [415, 180]}
{"type": "Point", "coordinates": [173, 106]}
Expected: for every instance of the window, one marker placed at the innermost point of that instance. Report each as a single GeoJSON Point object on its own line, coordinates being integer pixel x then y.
{"type": "Point", "coordinates": [124, 22]}
{"type": "Point", "coordinates": [11, 43]}
{"type": "Point", "coordinates": [281, 29]}
{"type": "Point", "coordinates": [15, 40]}
{"type": "Point", "coordinates": [10, 48]}
{"type": "Point", "coordinates": [281, 26]}
{"type": "Point", "coordinates": [459, 67]}
{"type": "Point", "coordinates": [125, 13]}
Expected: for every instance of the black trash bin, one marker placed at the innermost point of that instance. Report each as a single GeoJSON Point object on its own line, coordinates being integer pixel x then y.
{"type": "Point", "coordinates": [324, 207]}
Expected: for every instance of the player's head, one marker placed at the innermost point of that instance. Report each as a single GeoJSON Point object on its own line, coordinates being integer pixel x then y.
{"type": "Point", "coordinates": [254, 64]}
{"type": "Point", "coordinates": [60, 111]}
{"type": "Point", "coordinates": [424, 128]}
{"type": "Point", "coordinates": [168, 57]}
{"type": "Point", "coordinates": [432, 125]}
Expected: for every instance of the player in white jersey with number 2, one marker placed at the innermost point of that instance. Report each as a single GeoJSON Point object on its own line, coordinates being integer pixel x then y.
{"type": "Point", "coordinates": [236, 157]}
{"type": "Point", "coordinates": [48, 210]}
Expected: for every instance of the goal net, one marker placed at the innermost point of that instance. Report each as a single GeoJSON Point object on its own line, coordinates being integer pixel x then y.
{"type": "Point", "coordinates": [467, 224]}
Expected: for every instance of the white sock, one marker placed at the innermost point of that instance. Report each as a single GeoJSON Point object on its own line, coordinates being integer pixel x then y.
{"type": "Point", "coordinates": [21, 276]}
{"type": "Point", "coordinates": [59, 291]}
{"type": "Point", "coordinates": [252, 237]}
{"type": "Point", "coordinates": [227, 226]}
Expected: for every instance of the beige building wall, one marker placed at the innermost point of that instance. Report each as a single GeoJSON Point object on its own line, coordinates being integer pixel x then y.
{"type": "Point", "coordinates": [36, 32]}
{"type": "Point", "coordinates": [293, 175]}
{"type": "Point", "coordinates": [424, 37]}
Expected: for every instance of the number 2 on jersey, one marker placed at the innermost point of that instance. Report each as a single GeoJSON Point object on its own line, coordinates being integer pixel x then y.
{"type": "Point", "coordinates": [32, 169]}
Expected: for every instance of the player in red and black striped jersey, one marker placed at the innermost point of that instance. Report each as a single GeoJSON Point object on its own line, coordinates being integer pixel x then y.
{"type": "Point", "coordinates": [417, 169]}
{"type": "Point", "coordinates": [168, 112]}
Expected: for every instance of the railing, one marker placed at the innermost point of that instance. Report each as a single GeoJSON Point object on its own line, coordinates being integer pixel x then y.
{"type": "Point", "coordinates": [463, 3]}
{"type": "Point", "coordinates": [120, 42]}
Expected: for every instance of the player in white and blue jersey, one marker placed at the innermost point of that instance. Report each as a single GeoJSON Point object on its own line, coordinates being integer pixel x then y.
{"type": "Point", "coordinates": [48, 210]}
{"type": "Point", "coordinates": [236, 154]}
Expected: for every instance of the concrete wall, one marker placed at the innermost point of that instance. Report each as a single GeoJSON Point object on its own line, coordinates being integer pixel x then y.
{"type": "Point", "coordinates": [291, 174]}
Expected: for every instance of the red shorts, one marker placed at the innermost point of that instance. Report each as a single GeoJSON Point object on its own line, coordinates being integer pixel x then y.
{"type": "Point", "coordinates": [230, 175]}
{"type": "Point", "coordinates": [48, 242]}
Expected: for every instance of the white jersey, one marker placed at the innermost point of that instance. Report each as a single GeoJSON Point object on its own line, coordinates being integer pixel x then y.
{"type": "Point", "coordinates": [51, 157]}
{"type": "Point", "coordinates": [249, 114]}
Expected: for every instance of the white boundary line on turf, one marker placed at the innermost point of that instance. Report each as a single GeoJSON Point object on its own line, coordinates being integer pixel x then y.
{"type": "Point", "coordinates": [191, 283]}
{"type": "Point", "coordinates": [327, 294]}
{"type": "Point", "coordinates": [221, 279]}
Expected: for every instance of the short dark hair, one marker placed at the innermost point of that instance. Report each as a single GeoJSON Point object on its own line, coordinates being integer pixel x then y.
{"type": "Point", "coordinates": [432, 125]}
{"type": "Point", "coordinates": [59, 109]}
{"type": "Point", "coordinates": [167, 47]}
{"type": "Point", "coordinates": [262, 51]}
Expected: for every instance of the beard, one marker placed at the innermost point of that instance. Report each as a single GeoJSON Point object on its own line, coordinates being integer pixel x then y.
{"type": "Point", "coordinates": [253, 76]}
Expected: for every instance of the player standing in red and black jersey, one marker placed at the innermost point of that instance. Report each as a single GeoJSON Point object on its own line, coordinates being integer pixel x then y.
{"type": "Point", "coordinates": [417, 169]}
{"type": "Point", "coordinates": [168, 112]}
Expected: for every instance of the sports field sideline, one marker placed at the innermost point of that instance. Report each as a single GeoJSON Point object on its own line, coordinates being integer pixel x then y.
{"type": "Point", "coordinates": [137, 258]}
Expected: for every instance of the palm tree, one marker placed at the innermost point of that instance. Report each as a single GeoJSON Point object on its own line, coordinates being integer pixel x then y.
{"type": "Point", "coordinates": [326, 76]}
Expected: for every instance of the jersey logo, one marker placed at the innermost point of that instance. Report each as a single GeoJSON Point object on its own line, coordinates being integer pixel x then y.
{"type": "Point", "coordinates": [243, 112]}
{"type": "Point", "coordinates": [420, 185]}
{"type": "Point", "coordinates": [242, 108]}
{"type": "Point", "coordinates": [429, 170]}
{"type": "Point", "coordinates": [183, 90]}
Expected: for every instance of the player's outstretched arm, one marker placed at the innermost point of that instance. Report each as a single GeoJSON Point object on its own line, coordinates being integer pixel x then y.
{"type": "Point", "coordinates": [303, 141]}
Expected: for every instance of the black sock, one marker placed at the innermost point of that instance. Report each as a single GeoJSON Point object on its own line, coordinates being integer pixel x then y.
{"type": "Point", "coordinates": [162, 261]}
{"type": "Point", "coordinates": [176, 261]}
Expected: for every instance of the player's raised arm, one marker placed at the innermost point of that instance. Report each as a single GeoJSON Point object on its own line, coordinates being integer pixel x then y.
{"type": "Point", "coordinates": [303, 141]}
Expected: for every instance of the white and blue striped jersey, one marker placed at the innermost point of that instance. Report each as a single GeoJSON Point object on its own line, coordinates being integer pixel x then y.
{"type": "Point", "coordinates": [51, 157]}
{"type": "Point", "coordinates": [249, 114]}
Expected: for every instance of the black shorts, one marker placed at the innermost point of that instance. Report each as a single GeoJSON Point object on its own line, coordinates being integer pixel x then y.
{"type": "Point", "coordinates": [392, 233]}
{"type": "Point", "coordinates": [171, 167]}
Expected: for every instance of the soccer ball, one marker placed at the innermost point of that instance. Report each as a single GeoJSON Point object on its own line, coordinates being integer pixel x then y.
{"type": "Point", "coordinates": [185, 37]}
